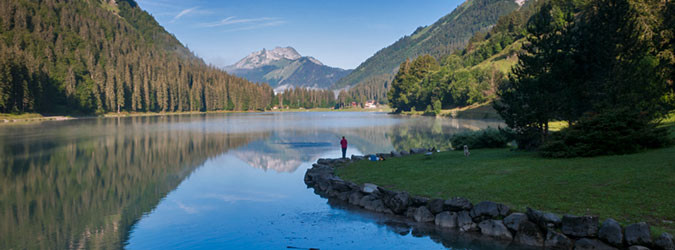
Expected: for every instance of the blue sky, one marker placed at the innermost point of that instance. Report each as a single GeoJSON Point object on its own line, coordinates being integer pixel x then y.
{"type": "Point", "coordinates": [341, 33]}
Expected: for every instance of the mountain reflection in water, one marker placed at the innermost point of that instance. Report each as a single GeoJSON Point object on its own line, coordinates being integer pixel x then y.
{"type": "Point", "coordinates": [86, 183]}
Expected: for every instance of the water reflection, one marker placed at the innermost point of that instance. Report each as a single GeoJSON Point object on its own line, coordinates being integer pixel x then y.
{"type": "Point", "coordinates": [87, 183]}
{"type": "Point", "coordinates": [82, 184]}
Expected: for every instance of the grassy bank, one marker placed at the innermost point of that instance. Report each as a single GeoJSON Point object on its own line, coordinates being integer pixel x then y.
{"type": "Point", "coordinates": [476, 111]}
{"type": "Point", "coordinates": [628, 188]}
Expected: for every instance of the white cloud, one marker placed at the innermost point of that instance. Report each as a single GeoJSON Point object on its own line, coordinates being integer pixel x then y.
{"type": "Point", "coordinates": [183, 13]}
{"type": "Point", "coordinates": [235, 20]}
{"type": "Point", "coordinates": [258, 26]}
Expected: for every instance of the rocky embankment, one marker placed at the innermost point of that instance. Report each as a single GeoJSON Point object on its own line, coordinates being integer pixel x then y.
{"type": "Point", "coordinates": [533, 228]}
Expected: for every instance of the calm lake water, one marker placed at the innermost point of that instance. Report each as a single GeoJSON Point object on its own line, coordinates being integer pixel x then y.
{"type": "Point", "coordinates": [226, 181]}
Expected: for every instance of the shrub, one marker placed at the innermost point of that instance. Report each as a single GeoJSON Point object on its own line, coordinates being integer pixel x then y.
{"type": "Point", "coordinates": [429, 111]}
{"type": "Point", "coordinates": [487, 138]}
{"type": "Point", "coordinates": [437, 107]}
{"type": "Point", "coordinates": [607, 133]}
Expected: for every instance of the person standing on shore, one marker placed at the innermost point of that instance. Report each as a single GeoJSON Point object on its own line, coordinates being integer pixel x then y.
{"type": "Point", "coordinates": [343, 143]}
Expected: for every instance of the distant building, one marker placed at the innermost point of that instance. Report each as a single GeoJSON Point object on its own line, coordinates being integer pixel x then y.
{"type": "Point", "coordinates": [370, 104]}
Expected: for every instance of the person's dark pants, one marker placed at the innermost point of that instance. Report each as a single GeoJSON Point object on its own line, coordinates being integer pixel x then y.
{"type": "Point", "coordinates": [344, 152]}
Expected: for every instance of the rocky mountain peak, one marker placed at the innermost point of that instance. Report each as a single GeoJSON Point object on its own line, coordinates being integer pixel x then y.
{"type": "Point", "coordinates": [264, 57]}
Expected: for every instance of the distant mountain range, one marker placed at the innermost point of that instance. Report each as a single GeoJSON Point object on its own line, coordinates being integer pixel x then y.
{"type": "Point", "coordinates": [448, 34]}
{"type": "Point", "coordinates": [282, 68]}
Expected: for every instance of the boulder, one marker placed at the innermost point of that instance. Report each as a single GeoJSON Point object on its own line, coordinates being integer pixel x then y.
{"type": "Point", "coordinates": [324, 161]}
{"type": "Point", "coordinates": [339, 185]}
{"type": "Point", "coordinates": [366, 200]}
{"type": "Point", "coordinates": [321, 167]}
{"type": "Point", "coordinates": [403, 153]}
{"type": "Point", "coordinates": [465, 223]}
{"type": "Point", "coordinates": [395, 154]}
{"type": "Point", "coordinates": [418, 201]}
{"type": "Point", "coordinates": [344, 196]}
{"type": "Point", "coordinates": [435, 206]}
{"type": "Point", "coordinates": [591, 244]}
{"type": "Point", "coordinates": [418, 151]}
{"type": "Point", "coordinates": [322, 183]}
{"type": "Point", "coordinates": [529, 234]}
{"type": "Point", "coordinates": [446, 219]}
{"type": "Point", "coordinates": [457, 204]}
{"type": "Point", "coordinates": [398, 202]}
{"type": "Point", "coordinates": [543, 219]}
{"type": "Point", "coordinates": [637, 247]}
{"type": "Point", "coordinates": [410, 212]}
{"type": "Point", "coordinates": [610, 232]}
{"type": "Point", "coordinates": [664, 242]}
{"type": "Point", "coordinates": [513, 220]}
{"type": "Point", "coordinates": [355, 197]}
{"type": "Point", "coordinates": [495, 229]}
{"type": "Point", "coordinates": [555, 240]}
{"type": "Point", "coordinates": [318, 172]}
{"type": "Point", "coordinates": [375, 205]}
{"type": "Point", "coordinates": [638, 234]}
{"type": "Point", "coordinates": [369, 188]}
{"type": "Point", "coordinates": [488, 209]}
{"type": "Point", "coordinates": [341, 161]}
{"type": "Point", "coordinates": [580, 226]}
{"type": "Point", "coordinates": [422, 214]}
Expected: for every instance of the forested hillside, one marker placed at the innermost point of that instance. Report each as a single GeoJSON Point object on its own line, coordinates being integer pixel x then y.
{"type": "Point", "coordinates": [101, 56]}
{"type": "Point", "coordinates": [467, 76]}
{"type": "Point", "coordinates": [441, 38]}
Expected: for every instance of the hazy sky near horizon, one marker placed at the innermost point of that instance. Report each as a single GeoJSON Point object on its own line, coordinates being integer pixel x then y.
{"type": "Point", "coordinates": [341, 33]}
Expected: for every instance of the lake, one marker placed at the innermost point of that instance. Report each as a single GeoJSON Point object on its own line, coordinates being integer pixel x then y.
{"type": "Point", "coordinates": [205, 181]}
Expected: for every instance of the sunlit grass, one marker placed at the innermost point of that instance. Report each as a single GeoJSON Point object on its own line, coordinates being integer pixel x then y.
{"type": "Point", "coordinates": [629, 188]}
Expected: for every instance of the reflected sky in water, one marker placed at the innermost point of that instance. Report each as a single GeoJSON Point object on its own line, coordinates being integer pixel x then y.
{"type": "Point", "coordinates": [204, 181]}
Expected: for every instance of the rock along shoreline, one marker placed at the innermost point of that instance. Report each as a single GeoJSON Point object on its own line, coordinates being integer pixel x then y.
{"type": "Point", "coordinates": [533, 228]}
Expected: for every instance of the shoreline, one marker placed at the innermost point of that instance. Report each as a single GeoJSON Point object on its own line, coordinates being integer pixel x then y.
{"type": "Point", "coordinates": [533, 228]}
{"type": "Point", "coordinates": [35, 117]}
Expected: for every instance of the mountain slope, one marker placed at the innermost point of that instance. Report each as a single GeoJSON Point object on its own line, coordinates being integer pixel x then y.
{"type": "Point", "coordinates": [449, 33]}
{"type": "Point", "coordinates": [97, 56]}
{"type": "Point", "coordinates": [465, 78]}
{"type": "Point", "coordinates": [285, 67]}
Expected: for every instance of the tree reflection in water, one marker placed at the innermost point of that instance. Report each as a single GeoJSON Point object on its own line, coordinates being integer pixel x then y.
{"type": "Point", "coordinates": [82, 184]}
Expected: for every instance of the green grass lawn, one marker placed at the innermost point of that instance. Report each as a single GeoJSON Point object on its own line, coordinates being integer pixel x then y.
{"type": "Point", "coordinates": [628, 188]}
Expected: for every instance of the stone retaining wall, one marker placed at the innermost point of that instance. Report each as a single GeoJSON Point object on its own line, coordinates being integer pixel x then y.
{"type": "Point", "coordinates": [533, 228]}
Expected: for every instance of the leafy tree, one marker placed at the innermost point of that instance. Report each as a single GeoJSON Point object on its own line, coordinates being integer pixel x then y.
{"type": "Point", "coordinates": [538, 84]}
{"type": "Point", "coordinates": [406, 89]}
{"type": "Point", "coordinates": [609, 47]}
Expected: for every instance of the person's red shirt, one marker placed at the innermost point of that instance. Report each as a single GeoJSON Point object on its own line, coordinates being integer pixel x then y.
{"type": "Point", "coordinates": [343, 142]}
